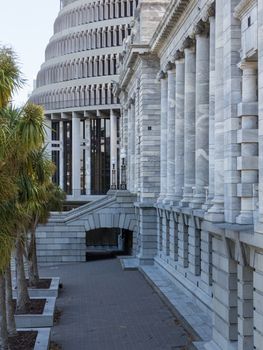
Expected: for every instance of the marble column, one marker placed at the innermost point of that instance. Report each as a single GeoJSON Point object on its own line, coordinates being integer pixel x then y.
{"type": "Point", "coordinates": [210, 194]}
{"type": "Point", "coordinates": [179, 126]}
{"type": "Point", "coordinates": [216, 212]}
{"type": "Point", "coordinates": [164, 90]}
{"type": "Point", "coordinates": [113, 149]}
{"type": "Point", "coordinates": [132, 160]}
{"type": "Point", "coordinates": [247, 136]}
{"type": "Point", "coordinates": [171, 78]}
{"type": "Point", "coordinates": [88, 156]}
{"type": "Point", "coordinates": [129, 165]}
{"type": "Point", "coordinates": [201, 114]}
{"type": "Point", "coordinates": [189, 121]}
{"type": "Point", "coordinates": [61, 155]}
{"type": "Point", "coordinates": [75, 154]}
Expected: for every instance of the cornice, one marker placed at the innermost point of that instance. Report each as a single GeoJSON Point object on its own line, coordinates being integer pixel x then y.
{"type": "Point", "coordinates": [132, 55]}
{"type": "Point", "coordinates": [171, 16]}
{"type": "Point", "coordinates": [243, 7]}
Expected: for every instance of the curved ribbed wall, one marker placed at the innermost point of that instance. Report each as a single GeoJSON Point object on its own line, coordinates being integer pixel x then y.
{"type": "Point", "coordinates": [75, 86]}
{"type": "Point", "coordinates": [82, 55]}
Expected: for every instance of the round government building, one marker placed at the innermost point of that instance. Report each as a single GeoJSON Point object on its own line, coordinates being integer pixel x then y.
{"type": "Point", "coordinates": [75, 86]}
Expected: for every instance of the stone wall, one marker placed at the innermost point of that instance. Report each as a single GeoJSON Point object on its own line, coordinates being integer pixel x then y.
{"type": "Point", "coordinates": [63, 238]}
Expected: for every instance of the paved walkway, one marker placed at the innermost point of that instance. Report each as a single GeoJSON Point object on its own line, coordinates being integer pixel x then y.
{"type": "Point", "coordinates": [106, 308]}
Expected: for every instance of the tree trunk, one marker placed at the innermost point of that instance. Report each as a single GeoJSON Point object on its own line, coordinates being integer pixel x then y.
{"type": "Point", "coordinates": [3, 325]}
{"type": "Point", "coordinates": [10, 312]}
{"type": "Point", "coordinates": [33, 273]}
{"type": "Point", "coordinates": [23, 301]}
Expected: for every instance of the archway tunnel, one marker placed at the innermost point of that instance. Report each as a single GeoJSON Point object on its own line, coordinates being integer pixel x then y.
{"type": "Point", "coordinates": [105, 243]}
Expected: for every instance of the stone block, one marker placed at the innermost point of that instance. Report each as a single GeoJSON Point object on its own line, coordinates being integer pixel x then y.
{"type": "Point", "coordinates": [247, 163]}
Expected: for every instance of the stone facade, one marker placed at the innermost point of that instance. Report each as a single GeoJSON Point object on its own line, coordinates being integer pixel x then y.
{"type": "Point", "coordinates": [63, 238]}
{"type": "Point", "coordinates": [191, 91]}
{"type": "Point", "coordinates": [191, 130]}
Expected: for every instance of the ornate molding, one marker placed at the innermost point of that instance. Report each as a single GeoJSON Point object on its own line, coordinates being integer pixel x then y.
{"type": "Point", "coordinates": [169, 66]}
{"type": "Point", "coordinates": [243, 7]}
{"type": "Point", "coordinates": [179, 55]}
{"type": "Point", "coordinates": [200, 28]}
{"type": "Point", "coordinates": [161, 75]}
{"type": "Point", "coordinates": [187, 43]}
{"type": "Point", "coordinates": [210, 11]}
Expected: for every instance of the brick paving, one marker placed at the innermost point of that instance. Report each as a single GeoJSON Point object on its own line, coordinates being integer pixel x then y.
{"type": "Point", "coordinates": [106, 308]}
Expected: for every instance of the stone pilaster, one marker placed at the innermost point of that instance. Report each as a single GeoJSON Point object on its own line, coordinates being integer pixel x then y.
{"type": "Point", "coordinates": [148, 237]}
{"type": "Point", "coordinates": [171, 78]}
{"type": "Point", "coordinates": [224, 293]}
{"type": "Point", "coordinates": [194, 246]}
{"type": "Point", "coordinates": [159, 231]}
{"type": "Point", "coordinates": [189, 121]}
{"type": "Point", "coordinates": [201, 114]}
{"type": "Point", "coordinates": [164, 92]}
{"type": "Point", "coordinates": [206, 262]}
{"type": "Point", "coordinates": [173, 230]}
{"type": "Point", "coordinates": [165, 234]}
{"type": "Point", "coordinates": [183, 246]}
{"type": "Point", "coordinates": [149, 114]}
{"type": "Point", "coordinates": [257, 262]}
{"type": "Point", "coordinates": [247, 137]}
{"type": "Point", "coordinates": [245, 307]}
{"type": "Point", "coordinates": [75, 154]}
{"type": "Point", "coordinates": [179, 126]}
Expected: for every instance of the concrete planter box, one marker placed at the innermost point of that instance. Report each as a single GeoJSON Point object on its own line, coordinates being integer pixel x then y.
{"type": "Point", "coordinates": [51, 292]}
{"type": "Point", "coordinates": [43, 337]}
{"type": "Point", "coordinates": [38, 321]}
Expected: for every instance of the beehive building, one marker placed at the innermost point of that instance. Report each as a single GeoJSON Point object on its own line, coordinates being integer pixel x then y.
{"type": "Point", "coordinates": [75, 86]}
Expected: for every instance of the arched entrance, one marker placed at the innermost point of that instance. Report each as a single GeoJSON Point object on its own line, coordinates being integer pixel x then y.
{"type": "Point", "coordinates": [108, 243]}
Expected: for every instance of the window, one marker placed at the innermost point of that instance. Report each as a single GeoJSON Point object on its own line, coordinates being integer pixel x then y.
{"type": "Point", "coordinates": [249, 21]}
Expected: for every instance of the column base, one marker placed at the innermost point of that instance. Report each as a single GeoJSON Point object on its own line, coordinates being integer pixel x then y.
{"type": "Point", "coordinates": [197, 202]}
{"type": "Point", "coordinates": [171, 200]}
{"type": "Point", "coordinates": [208, 204]}
{"type": "Point", "coordinates": [216, 212]}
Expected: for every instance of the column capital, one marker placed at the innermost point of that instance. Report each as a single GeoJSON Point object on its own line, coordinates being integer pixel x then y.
{"type": "Point", "coordinates": [187, 43]}
{"type": "Point", "coordinates": [247, 65]}
{"type": "Point", "coordinates": [161, 75]}
{"type": "Point", "coordinates": [209, 12]}
{"type": "Point", "coordinates": [179, 55]}
{"type": "Point", "coordinates": [201, 28]}
{"type": "Point", "coordinates": [131, 102]}
{"type": "Point", "coordinates": [169, 66]}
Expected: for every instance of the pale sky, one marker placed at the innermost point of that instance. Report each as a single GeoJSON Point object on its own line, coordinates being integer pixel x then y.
{"type": "Point", "coordinates": [26, 26]}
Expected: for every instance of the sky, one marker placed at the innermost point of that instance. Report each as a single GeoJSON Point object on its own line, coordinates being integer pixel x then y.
{"type": "Point", "coordinates": [26, 26]}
